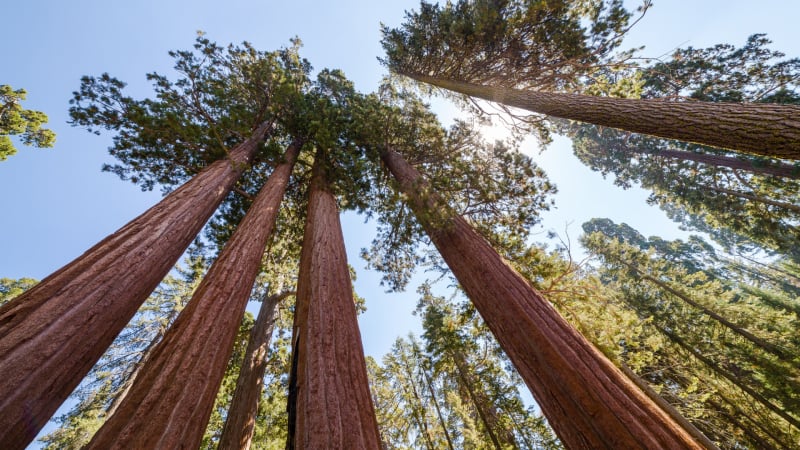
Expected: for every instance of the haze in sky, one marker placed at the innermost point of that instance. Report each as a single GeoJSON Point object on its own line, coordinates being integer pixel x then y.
{"type": "Point", "coordinates": [57, 203]}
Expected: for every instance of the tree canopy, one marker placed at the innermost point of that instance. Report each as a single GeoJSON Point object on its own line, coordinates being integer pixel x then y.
{"type": "Point", "coordinates": [744, 202]}
{"type": "Point", "coordinates": [707, 328]}
{"type": "Point", "coordinates": [18, 121]}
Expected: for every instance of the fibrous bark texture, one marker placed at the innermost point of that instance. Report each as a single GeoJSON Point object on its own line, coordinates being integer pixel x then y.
{"type": "Point", "coordinates": [51, 335]}
{"type": "Point", "coordinates": [757, 128]}
{"type": "Point", "coordinates": [332, 407]}
{"type": "Point", "coordinates": [241, 420]}
{"type": "Point", "coordinates": [170, 402]}
{"type": "Point", "coordinates": [588, 401]}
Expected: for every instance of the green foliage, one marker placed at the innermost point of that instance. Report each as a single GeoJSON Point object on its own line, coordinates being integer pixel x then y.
{"type": "Point", "coordinates": [492, 185]}
{"type": "Point", "coordinates": [545, 45]}
{"type": "Point", "coordinates": [222, 94]}
{"type": "Point", "coordinates": [25, 123]}
{"type": "Point", "coordinates": [709, 343]}
{"type": "Point", "coordinates": [10, 288]}
{"type": "Point", "coordinates": [745, 203]}
{"type": "Point", "coordinates": [454, 389]}
{"type": "Point", "coordinates": [724, 73]}
{"type": "Point", "coordinates": [529, 44]}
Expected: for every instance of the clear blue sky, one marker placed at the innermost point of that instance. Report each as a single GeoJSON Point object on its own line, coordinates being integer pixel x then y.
{"type": "Point", "coordinates": [56, 203]}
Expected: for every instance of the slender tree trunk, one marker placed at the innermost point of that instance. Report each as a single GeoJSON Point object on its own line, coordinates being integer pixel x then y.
{"type": "Point", "coordinates": [755, 198]}
{"type": "Point", "coordinates": [51, 335]}
{"type": "Point", "coordinates": [482, 404]}
{"type": "Point", "coordinates": [757, 128]}
{"type": "Point", "coordinates": [754, 437]}
{"type": "Point", "coordinates": [667, 407]}
{"type": "Point", "coordinates": [333, 406]}
{"type": "Point", "coordinates": [588, 401]}
{"type": "Point", "coordinates": [753, 339]}
{"type": "Point", "coordinates": [781, 441]}
{"type": "Point", "coordinates": [241, 420]}
{"type": "Point", "coordinates": [169, 404]}
{"type": "Point", "coordinates": [783, 170]}
{"type": "Point", "coordinates": [729, 376]}
{"type": "Point", "coordinates": [419, 414]}
{"type": "Point", "coordinates": [439, 414]}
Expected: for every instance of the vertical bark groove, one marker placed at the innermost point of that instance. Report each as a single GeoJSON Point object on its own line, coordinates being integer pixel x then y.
{"type": "Point", "coordinates": [588, 401]}
{"type": "Point", "coordinates": [51, 335]}
{"type": "Point", "coordinates": [757, 128]}
{"type": "Point", "coordinates": [333, 402]}
{"type": "Point", "coordinates": [170, 403]}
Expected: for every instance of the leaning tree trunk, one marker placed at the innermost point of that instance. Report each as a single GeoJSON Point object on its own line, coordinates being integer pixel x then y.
{"type": "Point", "coordinates": [241, 420]}
{"type": "Point", "coordinates": [51, 335]}
{"type": "Point", "coordinates": [782, 170]}
{"type": "Point", "coordinates": [501, 436]}
{"type": "Point", "coordinates": [588, 401]}
{"type": "Point", "coordinates": [755, 198]}
{"type": "Point", "coordinates": [757, 128]}
{"type": "Point", "coordinates": [733, 377]}
{"type": "Point", "coordinates": [171, 400]}
{"type": "Point", "coordinates": [330, 403]}
{"type": "Point", "coordinates": [429, 384]}
{"type": "Point", "coordinates": [750, 337]}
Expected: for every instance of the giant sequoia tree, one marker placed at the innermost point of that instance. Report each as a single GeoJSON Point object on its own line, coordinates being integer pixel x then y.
{"type": "Point", "coordinates": [533, 55]}
{"type": "Point", "coordinates": [101, 290]}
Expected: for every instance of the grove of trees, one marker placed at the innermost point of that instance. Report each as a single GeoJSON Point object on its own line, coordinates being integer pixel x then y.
{"type": "Point", "coordinates": [646, 343]}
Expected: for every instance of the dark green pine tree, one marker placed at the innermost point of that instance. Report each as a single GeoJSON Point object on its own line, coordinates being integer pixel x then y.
{"type": "Point", "coordinates": [462, 350]}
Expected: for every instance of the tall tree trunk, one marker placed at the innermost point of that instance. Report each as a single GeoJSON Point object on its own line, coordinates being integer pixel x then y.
{"type": "Point", "coordinates": [783, 170]}
{"type": "Point", "coordinates": [170, 403]}
{"type": "Point", "coordinates": [486, 410]}
{"type": "Point", "coordinates": [780, 440]}
{"type": "Point", "coordinates": [588, 401]}
{"type": "Point", "coordinates": [51, 335]}
{"type": "Point", "coordinates": [419, 414]}
{"type": "Point", "coordinates": [241, 420]}
{"type": "Point", "coordinates": [668, 408]}
{"type": "Point", "coordinates": [757, 128]}
{"type": "Point", "coordinates": [754, 437]}
{"type": "Point", "coordinates": [333, 406]}
{"type": "Point", "coordinates": [755, 198]}
{"type": "Point", "coordinates": [439, 414]}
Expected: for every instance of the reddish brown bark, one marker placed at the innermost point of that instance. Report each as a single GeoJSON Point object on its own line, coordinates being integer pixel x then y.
{"type": "Point", "coordinates": [758, 128]}
{"type": "Point", "coordinates": [330, 402]}
{"type": "Point", "coordinates": [772, 168]}
{"type": "Point", "coordinates": [170, 402]}
{"type": "Point", "coordinates": [51, 335]}
{"type": "Point", "coordinates": [588, 401]}
{"type": "Point", "coordinates": [241, 420]}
